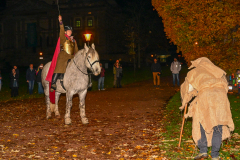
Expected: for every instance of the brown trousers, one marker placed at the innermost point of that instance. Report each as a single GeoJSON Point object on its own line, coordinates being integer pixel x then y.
{"type": "Point", "coordinates": [156, 77]}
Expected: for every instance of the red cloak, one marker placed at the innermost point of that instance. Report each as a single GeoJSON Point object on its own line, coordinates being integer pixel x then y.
{"type": "Point", "coordinates": [52, 68]}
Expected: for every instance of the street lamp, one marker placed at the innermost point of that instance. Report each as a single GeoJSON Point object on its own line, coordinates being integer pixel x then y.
{"type": "Point", "coordinates": [41, 55]}
{"type": "Point", "coordinates": [87, 37]}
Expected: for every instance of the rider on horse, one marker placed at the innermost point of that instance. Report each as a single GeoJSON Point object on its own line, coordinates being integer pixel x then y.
{"type": "Point", "coordinates": [68, 47]}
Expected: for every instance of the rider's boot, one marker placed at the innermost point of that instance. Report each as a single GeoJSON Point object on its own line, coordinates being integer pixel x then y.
{"type": "Point", "coordinates": [61, 76]}
{"type": "Point", "coordinates": [54, 80]}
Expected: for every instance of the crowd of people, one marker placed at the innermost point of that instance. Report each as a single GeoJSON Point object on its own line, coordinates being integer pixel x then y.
{"type": "Point", "coordinates": [234, 81]}
{"type": "Point", "coordinates": [117, 76]}
{"type": "Point", "coordinates": [32, 75]}
{"type": "Point", "coordinates": [156, 71]}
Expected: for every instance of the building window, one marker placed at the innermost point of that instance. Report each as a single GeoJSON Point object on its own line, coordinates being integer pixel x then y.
{"type": "Point", "coordinates": [78, 22]}
{"type": "Point", "coordinates": [89, 22]}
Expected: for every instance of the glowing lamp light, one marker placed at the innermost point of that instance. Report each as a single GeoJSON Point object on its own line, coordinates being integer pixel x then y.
{"type": "Point", "coordinates": [40, 54]}
{"type": "Point", "coordinates": [40, 57]}
{"type": "Point", "coordinates": [87, 37]}
{"type": "Point", "coordinates": [235, 84]}
{"type": "Point", "coordinates": [151, 55]}
{"type": "Point", "coordinates": [196, 43]}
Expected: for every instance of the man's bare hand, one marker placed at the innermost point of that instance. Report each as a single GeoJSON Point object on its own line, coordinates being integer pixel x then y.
{"type": "Point", "coordinates": [60, 18]}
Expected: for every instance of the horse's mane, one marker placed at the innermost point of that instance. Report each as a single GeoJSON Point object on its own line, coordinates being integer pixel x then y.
{"type": "Point", "coordinates": [79, 52]}
{"type": "Point", "coordinates": [91, 50]}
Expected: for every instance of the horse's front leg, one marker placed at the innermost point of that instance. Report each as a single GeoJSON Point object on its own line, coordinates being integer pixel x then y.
{"type": "Point", "coordinates": [47, 99]}
{"type": "Point", "coordinates": [57, 95]}
{"type": "Point", "coordinates": [69, 97]}
{"type": "Point", "coordinates": [82, 96]}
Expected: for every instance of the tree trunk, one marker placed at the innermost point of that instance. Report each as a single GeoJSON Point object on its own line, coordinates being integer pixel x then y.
{"type": "Point", "coordinates": [139, 56]}
{"type": "Point", "coordinates": [134, 63]}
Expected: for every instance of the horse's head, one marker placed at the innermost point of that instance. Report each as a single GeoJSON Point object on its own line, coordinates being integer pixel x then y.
{"type": "Point", "coordinates": [92, 59]}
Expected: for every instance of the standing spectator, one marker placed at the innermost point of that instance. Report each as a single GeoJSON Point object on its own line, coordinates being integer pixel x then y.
{"type": "Point", "coordinates": [14, 83]}
{"type": "Point", "coordinates": [0, 81]}
{"type": "Point", "coordinates": [39, 80]}
{"type": "Point", "coordinates": [175, 68]}
{"type": "Point", "coordinates": [238, 80]}
{"type": "Point", "coordinates": [156, 70]}
{"type": "Point", "coordinates": [114, 73]}
{"type": "Point", "coordinates": [119, 75]}
{"type": "Point", "coordinates": [17, 73]}
{"type": "Point", "coordinates": [30, 76]}
{"type": "Point", "coordinates": [16, 70]}
{"type": "Point", "coordinates": [101, 78]}
{"type": "Point", "coordinates": [231, 81]}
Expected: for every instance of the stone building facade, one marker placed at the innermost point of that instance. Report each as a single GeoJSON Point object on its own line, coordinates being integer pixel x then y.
{"type": "Point", "coordinates": [31, 26]}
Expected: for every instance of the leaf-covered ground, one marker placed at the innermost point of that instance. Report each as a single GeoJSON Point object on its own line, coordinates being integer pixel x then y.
{"type": "Point", "coordinates": [123, 124]}
{"type": "Point", "coordinates": [172, 121]}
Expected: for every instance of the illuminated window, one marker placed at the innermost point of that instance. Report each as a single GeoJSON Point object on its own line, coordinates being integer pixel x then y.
{"type": "Point", "coordinates": [90, 22]}
{"type": "Point", "coordinates": [78, 22]}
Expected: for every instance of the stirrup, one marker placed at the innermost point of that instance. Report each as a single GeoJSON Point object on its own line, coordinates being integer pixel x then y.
{"type": "Point", "coordinates": [90, 85]}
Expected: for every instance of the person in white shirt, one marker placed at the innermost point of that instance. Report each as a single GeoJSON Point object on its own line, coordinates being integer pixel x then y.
{"type": "Point", "coordinates": [175, 68]}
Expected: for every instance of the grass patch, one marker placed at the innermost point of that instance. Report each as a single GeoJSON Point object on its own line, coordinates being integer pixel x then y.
{"type": "Point", "coordinates": [172, 122]}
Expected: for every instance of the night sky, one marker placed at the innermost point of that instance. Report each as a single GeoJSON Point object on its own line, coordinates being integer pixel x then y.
{"type": "Point", "coordinates": [2, 3]}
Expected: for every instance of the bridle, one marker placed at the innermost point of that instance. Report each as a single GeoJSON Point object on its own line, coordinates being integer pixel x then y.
{"type": "Point", "coordinates": [91, 64]}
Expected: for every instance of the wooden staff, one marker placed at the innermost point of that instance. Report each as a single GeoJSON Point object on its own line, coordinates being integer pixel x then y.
{"type": "Point", "coordinates": [185, 110]}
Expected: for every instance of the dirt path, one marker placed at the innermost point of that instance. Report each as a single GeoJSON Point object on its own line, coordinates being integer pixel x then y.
{"type": "Point", "coordinates": [123, 123]}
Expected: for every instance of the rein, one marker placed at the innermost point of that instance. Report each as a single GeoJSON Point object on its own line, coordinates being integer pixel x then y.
{"type": "Point", "coordinates": [91, 64]}
{"type": "Point", "coordinates": [80, 69]}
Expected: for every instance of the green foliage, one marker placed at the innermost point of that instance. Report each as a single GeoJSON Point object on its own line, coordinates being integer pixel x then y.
{"type": "Point", "coordinates": [203, 29]}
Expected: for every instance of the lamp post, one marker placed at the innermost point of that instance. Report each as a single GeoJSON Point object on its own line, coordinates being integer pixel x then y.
{"type": "Point", "coordinates": [87, 37]}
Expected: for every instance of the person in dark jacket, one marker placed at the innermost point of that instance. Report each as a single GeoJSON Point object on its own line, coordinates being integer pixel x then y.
{"type": "Point", "coordinates": [16, 70]}
{"type": "Point", "coordinates": [17, 73]}
{"type": "Point", "coordinates": [101, 78]}
{"type": "Point", "coordinates": [119, 75]}
{"type": "Point", "coordinates": [39, 80]}
{"type": "Point", "coordinates": [156, 70]}
{"type": "Point", "coordinates": [30, 76]}
{"type": "Point", "coordinates": [14, 83]}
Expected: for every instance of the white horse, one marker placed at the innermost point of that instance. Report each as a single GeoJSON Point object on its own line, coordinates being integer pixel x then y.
{"type": "Point", "coordinates": [75, 81]}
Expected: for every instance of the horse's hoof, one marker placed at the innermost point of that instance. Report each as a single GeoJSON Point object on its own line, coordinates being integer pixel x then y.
{"type": "Point", "coordinates": [49, 117]}
{"type": "Point", "coordinates": [68, 121]}
{"type": "Point", "coordinates": [85, 121]}
{"type": "Point", "coordinates": [58, 116]}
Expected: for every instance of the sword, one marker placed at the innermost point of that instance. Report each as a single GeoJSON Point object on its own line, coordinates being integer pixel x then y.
{"type": "Point", "coordinates": [58, 7]}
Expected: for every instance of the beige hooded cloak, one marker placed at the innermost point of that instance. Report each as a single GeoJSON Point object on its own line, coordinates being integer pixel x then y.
{"type": "Point", "coordinates": [211, 106]}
